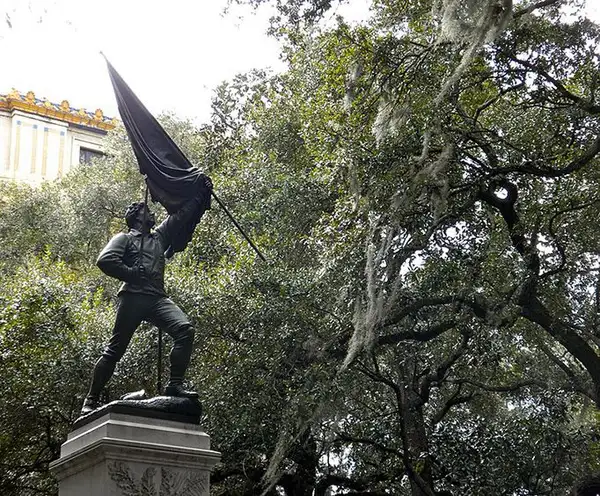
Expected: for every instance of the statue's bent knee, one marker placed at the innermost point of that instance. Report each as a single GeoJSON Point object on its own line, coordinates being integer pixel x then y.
{"type": "Point", "coordinates": [189, 332]}
{"type": "Point", "coordinates": [184, 334]}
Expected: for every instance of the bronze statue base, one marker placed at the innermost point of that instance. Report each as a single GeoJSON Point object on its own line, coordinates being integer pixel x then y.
{"type": "Point", "coordinates": [187, 410]}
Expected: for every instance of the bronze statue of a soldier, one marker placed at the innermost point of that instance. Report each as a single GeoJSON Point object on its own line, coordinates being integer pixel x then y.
{"type": "Point", "coordinates": [142, 295]}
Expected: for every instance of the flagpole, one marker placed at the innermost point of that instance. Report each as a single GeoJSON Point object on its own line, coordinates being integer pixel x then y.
{"type": "Point", "coordinates": [238, 226]}
{"type": "Point", "coordinates": [140, 263]}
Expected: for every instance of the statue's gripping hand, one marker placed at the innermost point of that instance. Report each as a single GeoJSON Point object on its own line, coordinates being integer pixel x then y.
{"type": "Point", "coordinates": [140, 276]}
{"type": "Point", "coordinates": [134, 275]}
{"type": "Point", "coordinates": [207, 181]}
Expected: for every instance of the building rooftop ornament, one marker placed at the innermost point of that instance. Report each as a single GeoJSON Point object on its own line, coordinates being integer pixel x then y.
{"type": "Point", "coordinates": [29, 103]}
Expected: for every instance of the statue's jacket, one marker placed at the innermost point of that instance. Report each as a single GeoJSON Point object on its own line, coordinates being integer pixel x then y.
{"type": "Point", "coordinates": [122, 253]}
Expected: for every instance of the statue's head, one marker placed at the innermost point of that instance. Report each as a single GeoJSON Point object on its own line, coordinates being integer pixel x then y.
{"type": "Point", "coordinates": [134, 216]}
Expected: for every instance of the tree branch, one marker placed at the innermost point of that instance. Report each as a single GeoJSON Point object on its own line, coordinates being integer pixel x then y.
{"type": "Point", "coordinates": [369, 442]}
{"type": "Point", "coordinates": [559, 246]}
{"type": "Point", "coordinates": [428, 335]}
{"type": "Point", "coordinates": [562, 90]}
{"type": "Point", "coordinates": [535, 311]}
{"type": "Point", "coordinates": [535, 6]}
{"type": "Point", "coordinates": [396, 317]}
{"type": "Point", "coordinates": [574, 379]}
{"type": "Point", "coordinates": [499, 388]}
{"type": "Point", "coordinates": [455, 399]}
{"type": "Point", "coordinates": [359, 486]}
{"type": "Point", "coordinates": [442, 369]}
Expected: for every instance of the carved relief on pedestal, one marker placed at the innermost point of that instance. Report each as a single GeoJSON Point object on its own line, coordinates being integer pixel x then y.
{"type": "Point", "coordinates": [169, 483]}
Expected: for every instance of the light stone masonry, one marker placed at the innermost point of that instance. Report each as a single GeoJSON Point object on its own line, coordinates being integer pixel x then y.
{"type": "Point", "coordinates": [127, 455]}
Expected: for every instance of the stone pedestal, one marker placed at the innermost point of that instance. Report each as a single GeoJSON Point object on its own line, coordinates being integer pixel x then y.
{"type": "Point", "coordinates": [124, 454]}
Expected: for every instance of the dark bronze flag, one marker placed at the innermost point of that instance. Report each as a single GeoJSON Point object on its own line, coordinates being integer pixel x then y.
{"type": "Point", "coordinates": [172, 180]}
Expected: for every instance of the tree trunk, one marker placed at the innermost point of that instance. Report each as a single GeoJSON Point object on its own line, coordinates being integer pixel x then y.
{"type": "Point", "coordinates": [416, 445]}
{"type": "Point", "coordinates": [302, 482]}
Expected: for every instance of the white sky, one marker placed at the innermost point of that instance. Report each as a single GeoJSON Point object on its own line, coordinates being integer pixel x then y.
{"type": "Point", "coordinates": [172, 53]}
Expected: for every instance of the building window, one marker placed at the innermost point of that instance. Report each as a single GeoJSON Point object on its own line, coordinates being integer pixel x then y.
{"type": "Point", "coordinates": [86, 155]}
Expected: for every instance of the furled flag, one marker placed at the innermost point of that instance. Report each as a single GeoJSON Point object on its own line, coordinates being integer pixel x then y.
{"type": "Point", "coordinates": [171, 178]}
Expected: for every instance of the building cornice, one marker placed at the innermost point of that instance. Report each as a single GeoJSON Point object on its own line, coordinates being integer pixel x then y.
{"type": "Point", "coordinates": [63, 111]}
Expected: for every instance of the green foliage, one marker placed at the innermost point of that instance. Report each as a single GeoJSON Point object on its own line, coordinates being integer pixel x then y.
{"type": "Point", "coordinates": [48, 339]}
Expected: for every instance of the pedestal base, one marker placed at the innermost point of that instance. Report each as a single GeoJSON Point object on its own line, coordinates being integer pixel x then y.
{"type": "Point", "coordinates": [121, 454]}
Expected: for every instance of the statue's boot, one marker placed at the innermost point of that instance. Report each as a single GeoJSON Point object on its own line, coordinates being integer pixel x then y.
{"type": "Point", "coordinates": [103, 371]}
{"type": "Point", "coordinates": [177, 389]}
{"type": "Point", "coordinates": [89, 405]}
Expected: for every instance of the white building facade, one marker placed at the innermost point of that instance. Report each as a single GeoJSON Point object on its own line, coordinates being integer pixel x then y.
{"type": "Point", "coordinates": [42, 141]}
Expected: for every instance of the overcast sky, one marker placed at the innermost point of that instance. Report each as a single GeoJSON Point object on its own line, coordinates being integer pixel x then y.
{"type": "Point", "coordinates": [171, 52]}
